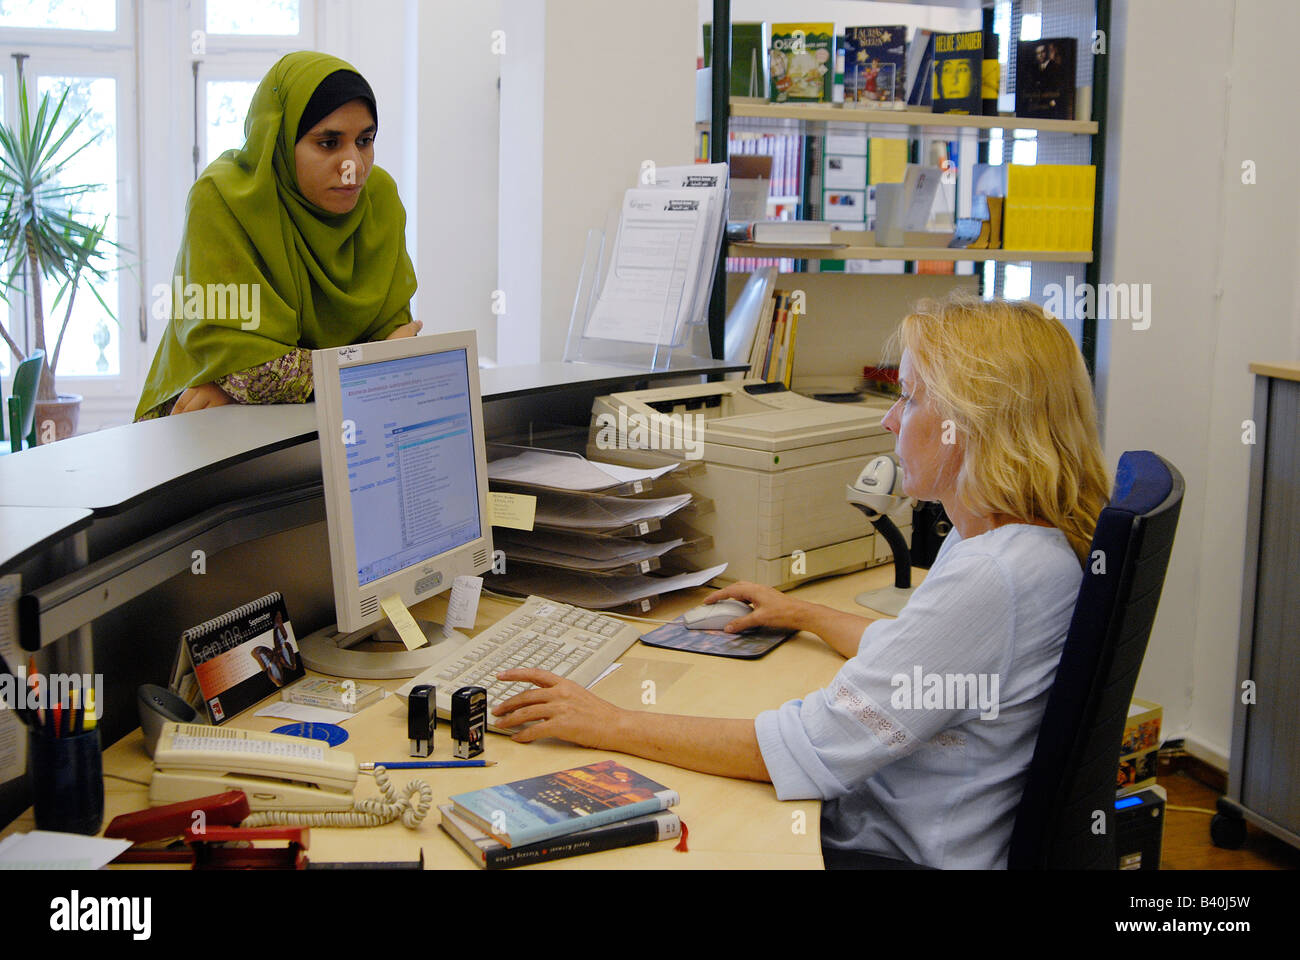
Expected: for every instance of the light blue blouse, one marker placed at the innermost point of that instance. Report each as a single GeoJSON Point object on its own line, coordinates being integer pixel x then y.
{"type": "Point", "coordinates": [921, 743]}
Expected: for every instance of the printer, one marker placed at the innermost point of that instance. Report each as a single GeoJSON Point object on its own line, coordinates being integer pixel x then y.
{"type": "Point", "coordinates": [772, 464]}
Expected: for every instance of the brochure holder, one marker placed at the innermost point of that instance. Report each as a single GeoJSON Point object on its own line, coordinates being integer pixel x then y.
{"type": "Point", "coordinates": [682, 341]}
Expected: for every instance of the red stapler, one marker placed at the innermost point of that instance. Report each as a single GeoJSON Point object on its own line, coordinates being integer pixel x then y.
{"type": "Point", "coordinates": [148, 829]}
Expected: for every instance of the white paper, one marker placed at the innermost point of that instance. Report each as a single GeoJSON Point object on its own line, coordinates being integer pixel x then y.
{"type": "Point", "coordinates": [603, 593]}
{"type": "Point", "coordinates": [604, 673]}
{"type": "Point", "coordinates": [712, 177]}
{"type": "Point", "coordinates": [13, 734]}
{"type": "Point", "coordinates": [462, 608]}
{"type": "Point", "coordinates": [604, 513]}
{"type": "Point", "coordinates": [657, 257]}
{"type": "Point", "coordinates": [561, 470]}
{"type": "Point", "coordinates": [288, 710]}
{"type": "Point", "coordinates": [46, 850]}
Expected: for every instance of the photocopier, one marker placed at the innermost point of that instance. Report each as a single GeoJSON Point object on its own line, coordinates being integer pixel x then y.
{"type": "Point", "coordinates": [772, 464]}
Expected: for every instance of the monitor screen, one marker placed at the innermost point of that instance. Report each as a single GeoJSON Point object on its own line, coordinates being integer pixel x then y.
{"type": "Point", "coordinates": [405, 475]}
{"type": "Point", "coordinates": [411, 472]}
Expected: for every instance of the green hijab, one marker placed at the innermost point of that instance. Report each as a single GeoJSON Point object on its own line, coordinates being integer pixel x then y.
{"type": "Point", "coordinates": [323, 279]}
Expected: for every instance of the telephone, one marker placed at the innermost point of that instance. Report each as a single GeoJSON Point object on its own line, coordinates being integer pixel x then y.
{"type": "Point", "coordinates": [288, 780]}
{"type": "Point", "coordinates": [275, 772]}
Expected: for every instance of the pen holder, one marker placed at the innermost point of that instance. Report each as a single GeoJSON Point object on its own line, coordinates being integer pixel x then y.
{"type": "Point", "coordinates": [67, 778]}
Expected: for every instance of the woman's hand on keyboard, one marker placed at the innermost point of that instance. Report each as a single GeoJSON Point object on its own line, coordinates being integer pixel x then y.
{"type": "Point", "coordinates": [557, 708]}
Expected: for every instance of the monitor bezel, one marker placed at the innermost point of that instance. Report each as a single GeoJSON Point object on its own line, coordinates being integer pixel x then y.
{"type": "Point", "coordinates": [356, 606]}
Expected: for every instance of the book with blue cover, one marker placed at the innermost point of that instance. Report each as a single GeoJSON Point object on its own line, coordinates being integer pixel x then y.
{"type": "Point", "coordinates": [875, 65]}
{"type": "Point", "coordinates": [557, 804]}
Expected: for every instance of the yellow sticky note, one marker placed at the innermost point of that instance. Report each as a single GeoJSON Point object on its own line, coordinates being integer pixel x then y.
{"type": "Point", "coordinates": [403, 622]}
{"type": "Point", "coordinates": [513, 510]}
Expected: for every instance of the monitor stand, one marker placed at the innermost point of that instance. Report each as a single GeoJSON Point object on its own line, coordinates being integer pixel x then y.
{"type": "Point", "coordinates": [334, 654]}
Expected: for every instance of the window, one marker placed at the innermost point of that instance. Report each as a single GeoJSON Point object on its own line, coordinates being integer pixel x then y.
{"type": "Point", "coordinates": [80, 47]}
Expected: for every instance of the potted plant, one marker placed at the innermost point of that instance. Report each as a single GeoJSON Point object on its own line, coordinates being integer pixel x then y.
{"type": "Point", "coordinates": [44, 236]}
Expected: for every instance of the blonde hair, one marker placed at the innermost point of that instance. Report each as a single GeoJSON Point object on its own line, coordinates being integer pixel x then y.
{"type": "Point", "coordinates": [1011, 379]}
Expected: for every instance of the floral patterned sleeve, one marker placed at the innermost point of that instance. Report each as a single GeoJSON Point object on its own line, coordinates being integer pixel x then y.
{"type": "Point", "coordinates": [285, 379]}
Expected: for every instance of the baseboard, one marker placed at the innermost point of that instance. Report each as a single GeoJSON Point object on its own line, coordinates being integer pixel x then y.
{"type": "Point", "coordinates": [1198, 761]}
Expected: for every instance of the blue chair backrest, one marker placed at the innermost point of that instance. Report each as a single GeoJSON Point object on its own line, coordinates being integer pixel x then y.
{"type": "Point", "coordinates": [1066, 818]}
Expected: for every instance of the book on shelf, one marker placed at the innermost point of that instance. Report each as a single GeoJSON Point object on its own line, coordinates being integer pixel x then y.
{"type": "Point", "coordinates": [749, 45]}
{"type": "Point", "coordinates": [1049, 207]}
{"type": "Point", "coordinates": [920, 68]}
{"type": "Point", "coordinates": [1045, 72]}
{"type": "Point", "coordinates": [558, 804]}
{"type": "Point", "coordinates": [875, 65]}
{"type": "Point", "coordinates": [958, 72]}
{"type": "Point", "coordinates": [486, 851]}
{"type": "Point", "coordinates": [802, 62]}
{"type": "Point", "coordinates": [786, 233]}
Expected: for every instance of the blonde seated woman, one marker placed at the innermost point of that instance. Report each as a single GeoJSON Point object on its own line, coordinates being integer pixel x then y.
{"type": "Point", "coordinates": [1023, 480]}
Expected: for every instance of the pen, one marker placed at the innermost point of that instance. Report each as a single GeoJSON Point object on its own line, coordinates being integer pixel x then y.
{"type": "Point", "coordinates": [426, 764]}
{"type": "Point", "coordinates": [89, 722]}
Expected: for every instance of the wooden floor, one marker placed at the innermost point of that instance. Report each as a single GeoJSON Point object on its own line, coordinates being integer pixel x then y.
{"type": "Point", "coordinates": [1187, 843]}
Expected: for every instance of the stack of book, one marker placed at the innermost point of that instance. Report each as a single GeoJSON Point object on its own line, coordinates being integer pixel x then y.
{"type": "Point", "coordinates": [1049, 207]}
{"type": "Point", "coordinates": [582, 810]}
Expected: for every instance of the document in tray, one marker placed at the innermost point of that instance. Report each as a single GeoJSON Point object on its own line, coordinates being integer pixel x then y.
{"type": "Point", "coordinates": [572, 552]}
{"type": "Point", "coordinates": [600, 593]}
{"type": "Point", "coordinates": [653, 278]}
{"type": "Point", "coordinates": [577, 512]}
{"type": "Point", "coordinates": [562, 470]}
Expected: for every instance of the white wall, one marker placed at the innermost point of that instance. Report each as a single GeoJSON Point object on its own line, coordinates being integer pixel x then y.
{"type": "Point", "coordinates": [1221, 258]}
{"type": "Point", "coordinates": [590, 89]}
{"type": "Point", "coordinates": [456, 174]}
{"type": "Point", "coordinates": [846, 13]}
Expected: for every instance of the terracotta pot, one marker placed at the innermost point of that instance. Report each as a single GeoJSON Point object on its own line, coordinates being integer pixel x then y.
{"type": "Point", "coordinates": [61, 415]}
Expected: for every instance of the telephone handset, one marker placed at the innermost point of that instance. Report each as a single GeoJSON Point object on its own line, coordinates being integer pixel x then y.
{"type": "Point", "coordinates": [288, 780]}
{"type": "Point", "coordinates": [275, 772]}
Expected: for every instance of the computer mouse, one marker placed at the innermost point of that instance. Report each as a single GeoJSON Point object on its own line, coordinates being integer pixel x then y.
{"type": "Point", "coordinates": [715, 616]}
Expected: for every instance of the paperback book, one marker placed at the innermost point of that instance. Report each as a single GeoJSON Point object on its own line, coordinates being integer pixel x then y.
{"type": "Point", "coordinates": [558, 804]}
{"type": "Point", "coordinates": [801, 62]}
{"type": "Point", "coordinates": [958, 72]}
{"type": "Point", "coordinates": [875, 65]}
{"type": "Point", "coordinates": [1045, 78]}
{"type": "Point", "coordinates": [486, 851]}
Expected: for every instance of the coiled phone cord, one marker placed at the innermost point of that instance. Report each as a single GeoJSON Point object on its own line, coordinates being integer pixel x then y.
{"type": "Point", "coordinates": [371, 812]}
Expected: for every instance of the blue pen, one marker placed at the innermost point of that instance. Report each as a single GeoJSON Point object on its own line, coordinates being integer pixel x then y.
{"type": "Point", "coordinates": [426, 764]}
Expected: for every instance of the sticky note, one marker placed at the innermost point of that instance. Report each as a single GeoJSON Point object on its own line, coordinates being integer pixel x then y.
{"type": "Point", "coordinates": [462, 608]}
{"type": "Point", "coordinates": [403, 622]}
{"type": "Point", "coordinates": [513, 510]}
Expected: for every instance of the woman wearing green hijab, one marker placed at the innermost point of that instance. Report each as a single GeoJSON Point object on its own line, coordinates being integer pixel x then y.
{"type": "Point", "coordinates": [294, 243]}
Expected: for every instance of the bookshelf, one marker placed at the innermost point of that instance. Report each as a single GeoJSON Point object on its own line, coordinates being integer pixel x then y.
{"type": "Point", "coordinates": [1067, 141]}
{"type": "Point", "coordinates": [861, 245]}
{"type": "Point", "coordinates": [802, 116]}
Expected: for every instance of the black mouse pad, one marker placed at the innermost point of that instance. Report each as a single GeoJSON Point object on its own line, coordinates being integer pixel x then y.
{"type": "Point", "coordinates": [749, 645]}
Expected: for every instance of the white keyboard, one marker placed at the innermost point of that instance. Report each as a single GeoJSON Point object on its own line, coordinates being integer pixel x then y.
{"type": "Point", "coordinates": [566, 640]}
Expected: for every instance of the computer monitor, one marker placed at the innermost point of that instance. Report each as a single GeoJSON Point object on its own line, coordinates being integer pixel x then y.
{"type": "Point", "coordinates": [405, 477]}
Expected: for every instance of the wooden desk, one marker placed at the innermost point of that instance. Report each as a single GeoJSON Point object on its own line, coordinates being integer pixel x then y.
{"type": "Point", "coordinates": [733, 823]}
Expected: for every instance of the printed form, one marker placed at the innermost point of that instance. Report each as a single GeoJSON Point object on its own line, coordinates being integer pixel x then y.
{"type": "Point", "coordinates": [654, 276]}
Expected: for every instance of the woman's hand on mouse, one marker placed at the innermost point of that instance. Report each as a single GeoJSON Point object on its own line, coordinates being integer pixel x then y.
{"type": "Point", "coordinates": [558, 708]}
{"type": "Point", "coordinates": [772, 608]}
{"type": "Point", "coordinates": [406, 330]}
{"type": "Point", "coordinates": [200, 397]}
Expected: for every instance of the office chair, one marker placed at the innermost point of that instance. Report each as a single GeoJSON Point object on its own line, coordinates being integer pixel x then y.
{"type": "Point", "coordinates": [22, 405]}
{"type": "Point", "coordinates": [1066, 818]}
